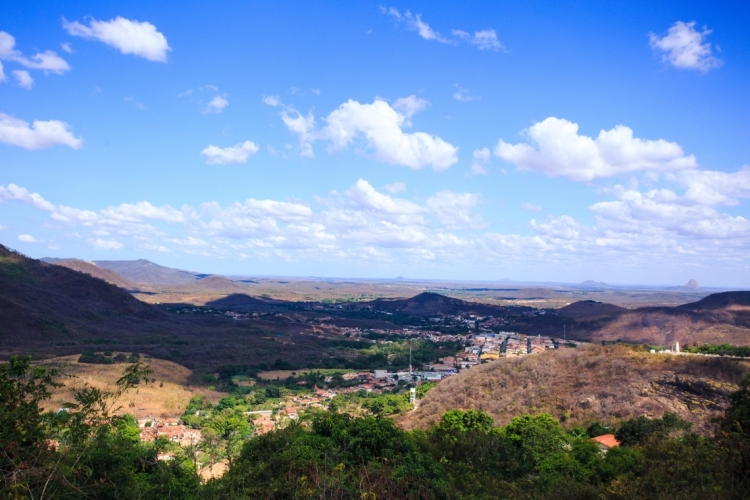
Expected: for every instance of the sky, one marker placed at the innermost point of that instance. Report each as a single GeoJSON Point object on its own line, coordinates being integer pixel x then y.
{"type": "Point", "coordinates": [535, 141]}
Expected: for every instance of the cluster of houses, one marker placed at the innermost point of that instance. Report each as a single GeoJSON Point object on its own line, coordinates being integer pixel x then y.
{"type": "Point", "coordinates": [169, 428]}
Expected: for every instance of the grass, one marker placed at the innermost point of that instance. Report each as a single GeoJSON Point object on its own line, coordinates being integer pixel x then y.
{"type": "Point", "coordinates": [165, 397]}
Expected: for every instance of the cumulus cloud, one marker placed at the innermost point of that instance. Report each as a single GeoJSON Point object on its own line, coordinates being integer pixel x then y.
{"type": "Point", "coordinates": [104, 244]}
{"type": "Point", "coordinates": [216, 105]}
{"type": "Point", "coordinates": [271, 100]}
{"type": "Point", "coordinates": [130, 37]}
{"type": "Point", "coordinates": [381, 127]}
{"type": "Point", "coordinates": [38, 135]}
{"type": "Point", "coordinates": [557, 149]}
{"type": "Point", "coordinates": [479, 165]}
{"type": "Point", "coordinates": [531, 207]}
{"type": "Point", "coordinates": [23, 78]}
{"type": "Point", "coordinates": [456, 210]}
{"type": "Point", "coordinates": [2, 73]}
{"type": "Point", "coordinates": [232, 155]}
{"type": "Point", "coordinates": [67, 48]}
{"type": "Point", "coordinates": [378, 125]}
{"type": "Point", "coordinates": [685, 47]}
{"type": "Point", "coordinates": [17, 193]}
{"type": "Point", "coordinates": [709, 187]}
{"type": "Point", "coordinates": [27, 238]}
{"type": "Point", "coordinates": [134, 212]}
{"type": "Point", "coordinates": [395, 187]}
{"type": "Point", "coordinates": [47, 61]}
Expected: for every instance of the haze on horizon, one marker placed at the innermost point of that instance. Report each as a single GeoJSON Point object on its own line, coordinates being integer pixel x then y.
{"type": "Point", "coordinates": [472, 141]}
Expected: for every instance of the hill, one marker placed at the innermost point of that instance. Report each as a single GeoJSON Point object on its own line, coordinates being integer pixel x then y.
{"type": "Point", "coordinates": [247, 303]}
{"type": "Point", "coordinates": [166, 396]}
{"type": "Point", "coordinates": [92, 269]}
{"type": "Point", "coordinates": [434, 304]}
{"type": "Point", "coordinates": [589, 309]}
{"type": "Point", "coordinates": [716, 319]}
{"type": "Point", "coordinates": [590, 383]}
{"type": "Point", "coordinates": [50, 310]}
{"type": "Point", "coordinates": [145, 271]}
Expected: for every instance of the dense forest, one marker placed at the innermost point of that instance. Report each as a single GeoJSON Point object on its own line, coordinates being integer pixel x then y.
{"type": "Point", "coordinates": [87, 451]}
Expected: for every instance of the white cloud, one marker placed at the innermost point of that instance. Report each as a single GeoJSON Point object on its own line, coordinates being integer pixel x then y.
{"type": "Point", "coordinates": [47, 61]}
{"type": "Point", "coordinates": [415, 23]}
{"type": "Point", "coordinates": [41, 134]}
{"type": "Point", "coordinates": [17, 193]}
{"type": "Point", "coordinates": [103, 244]}
{"type": "Point", "coordinates": [380, 126]}
{"type": "Point", "coordinates": [409, 106]}
{"type": "Point", "coordinates": [233, 155]}
{"type": "Point", "coordinates": [134, 212]}
{"type": "Point", "coordinates": [479, 165]}
{"type": "Point", "coordinates": [216, 105]}
{"type": "Point", "coordinates": [463, 95]}
{"type": "Point", "coordinates": [129, 37]}
{"type": "Point", "coordinates": [395, 187]}
{"type": "Point", "coordinates": [27, 238]}
{"type": "Point", "coordinates": [271, 100]}
{"type": "Point", "coordinates": [685, 47]}
{"type": "Point", "coordinates": [23, 78]}
{"type": "Point", "coordinates": [709, 187]}
{"type": "Point", "coordinates": [484, 39]}
{"type": "Point", "coordinates": [301, 125]}
{"type": "Point", "coordinates": [67, 48]}
{"type": "Point", "coordinates": [531, 207]}
{"type": "Point", "coordinates": [2, 74]}
{"type": "Point", "coordinates": [558, 150]}
{"type": "Point", "coordinates": [456, 210]}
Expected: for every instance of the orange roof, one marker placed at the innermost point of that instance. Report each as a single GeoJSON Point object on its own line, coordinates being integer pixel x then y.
{"type": "Point", "coordinates": [607, 440]}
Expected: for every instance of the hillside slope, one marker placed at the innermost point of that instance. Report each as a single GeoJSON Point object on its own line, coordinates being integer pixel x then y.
{"type": "Point", "coordinates": [590, 383]}
{"type": "Point", "coordinates": [433, 304]}
{"type": "Point", "coordinates": [145, 271]}
{"type": "Point", "coordinates": [716, 319]}
{"type": "Point", "coordinates": [92, 269]}
{"type": "Point", "coordinates": [43, 303]}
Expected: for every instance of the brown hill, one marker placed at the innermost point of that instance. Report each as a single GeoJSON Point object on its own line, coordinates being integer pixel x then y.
{"type": "Point", "coordinates": [216, 282]}
{"type": "Point", "coordinates": [718, 318]}
{"type": "Point", "coordinates": [145, 271]}
{"type": "Point", "coordinates": [590, 383]}
{"type": "Point", "coordinates": [90, 268]}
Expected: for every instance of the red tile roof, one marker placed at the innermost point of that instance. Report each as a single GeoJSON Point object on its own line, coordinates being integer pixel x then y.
{"type": "Point", "coordinates": [607, 440]}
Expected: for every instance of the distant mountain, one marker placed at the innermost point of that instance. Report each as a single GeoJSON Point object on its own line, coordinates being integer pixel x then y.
{"type": "Point", "coordinates": [593, 283]}
{"type": "Point", "coordinates": [433, 304]}
{"type": "Point", "coordinates": [716, 319]}
{"type": "Point", "coordinates": [589, 309]}
{"type": "Point", "coordinates": [145, 271]}
{"type": "Point", "coordinates": [92, 269]}
{"type": "Point", "coordinates": [216, 282]}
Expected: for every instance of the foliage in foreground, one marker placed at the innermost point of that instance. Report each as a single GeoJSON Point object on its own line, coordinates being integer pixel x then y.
{"type": "Point", "coordinates": [87, 452]}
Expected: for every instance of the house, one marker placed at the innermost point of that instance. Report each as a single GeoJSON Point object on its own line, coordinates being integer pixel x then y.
{"type": "Point", "coordinates": [606, 442]}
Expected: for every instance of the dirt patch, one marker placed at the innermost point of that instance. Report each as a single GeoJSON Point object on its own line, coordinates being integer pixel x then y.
{"type": "Point", "coordinates": [167, 396]}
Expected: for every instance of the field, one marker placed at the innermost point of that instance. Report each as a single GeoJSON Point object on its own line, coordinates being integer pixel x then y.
{"type": "Point", "coordinates": [166, 397]}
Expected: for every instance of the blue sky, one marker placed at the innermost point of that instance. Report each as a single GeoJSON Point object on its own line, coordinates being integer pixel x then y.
{"type": "Point", "coordinates": [564, 142]}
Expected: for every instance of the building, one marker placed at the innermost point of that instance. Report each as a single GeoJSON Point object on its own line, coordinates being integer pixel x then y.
{"type": "Point", "coordinates": [606, 442]}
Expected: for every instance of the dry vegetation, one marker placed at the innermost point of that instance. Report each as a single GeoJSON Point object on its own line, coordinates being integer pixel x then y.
{"type": "Point", "coordinates": [590, 383]}
{"type": "Point", "coordinates": [167, 396]}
